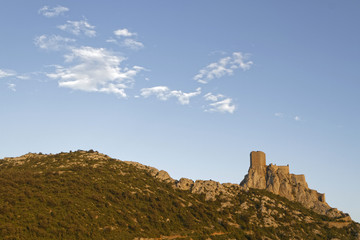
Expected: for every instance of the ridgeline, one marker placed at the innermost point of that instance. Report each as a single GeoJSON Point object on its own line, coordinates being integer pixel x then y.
{"type": "Point", "coordinates": [88, 195]}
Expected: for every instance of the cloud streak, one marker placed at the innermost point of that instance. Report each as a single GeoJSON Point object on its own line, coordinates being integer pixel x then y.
{"type": "Point", "coordinates": [133, 44]}
{"type": "Point", "coordinates": [46, 11]}
{"type": "Point", "coordinates": [12, 87]}
{"type": "Point", "coordinates": [6, 73]}
{"type": "Point", "coordinates": [124, 33]}
{"type": "Point", "coordinates": [225, 66]}
{"type": "Point", "coordinates": [79, 27]}
{"type": "Point", "coordinates": [164, 93]}
{"type": "Point", "coordinates": [53, 42]}
{"type": "Point", "coordinates": [124, 39]}
{"type": "Point", "coordinates": [220, 103]}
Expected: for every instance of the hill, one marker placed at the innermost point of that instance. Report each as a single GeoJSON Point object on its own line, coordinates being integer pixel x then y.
{"type": "Point", "coordinates": [88, 195]}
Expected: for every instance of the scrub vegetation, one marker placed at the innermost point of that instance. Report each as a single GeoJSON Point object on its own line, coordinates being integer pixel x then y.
{"type": "Point", "coordinates": [87, 195]}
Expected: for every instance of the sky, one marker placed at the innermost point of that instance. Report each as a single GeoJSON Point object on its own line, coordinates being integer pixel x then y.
{"type": "Point", "coordinates": [190, 87]}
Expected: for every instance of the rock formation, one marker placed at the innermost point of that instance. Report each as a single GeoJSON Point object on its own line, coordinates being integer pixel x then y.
{"type": "Point", "coordinates": [275, 179]}
{"type": "Point", "coordinates": [95, 196]}
{"type": "Point", "coordinates": [278, 180]}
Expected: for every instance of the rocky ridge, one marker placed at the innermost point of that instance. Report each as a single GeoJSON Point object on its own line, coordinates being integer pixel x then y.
{"type": "Point", "coordinates": [278, 180]}
{"type": "Point", "coordinates": [128, 200]}
{"type": "Point", "coordinates": [272, 178]}
{"type": "Point", "coordinates": [211, 189]}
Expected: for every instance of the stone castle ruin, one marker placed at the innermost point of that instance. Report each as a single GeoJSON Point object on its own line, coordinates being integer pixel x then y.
{"type": "Point", "coordinates": [275, 179]}
{"type": "Point", "coordinates": [258, 161]}
{"type": "Point", "coordinates": [278, 180]}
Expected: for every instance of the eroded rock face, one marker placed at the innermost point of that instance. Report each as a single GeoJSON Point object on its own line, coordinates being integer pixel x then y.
{"type": "Point", "coordinates": [164, 176]}
{"type": "Point", "coordinates": [153, 171]}
{"type": "Point", "coordinates": [275, 179]}
{"type": "Point", "coordinates": [278, 180]}
{"type": "Point", "coordinates": [161, 175]}
{"type": "Point", "coordinates": [210, 188]}
{"type": "Point", "coordinates": [184, 184]}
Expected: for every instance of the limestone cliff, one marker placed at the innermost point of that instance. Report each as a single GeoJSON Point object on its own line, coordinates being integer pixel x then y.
{"type": "Point", "coordinates": [275, 179]}
{"type": "Point", "coordinates": [278, 180]}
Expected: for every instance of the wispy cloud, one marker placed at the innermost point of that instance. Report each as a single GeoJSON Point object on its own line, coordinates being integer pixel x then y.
{"type": "Point", "coordinates": [95, 70]}
{"type": "Point", "coordinates": [220, 103]}
{"type": "Point", "coordinates": [225, 66]}
{"type": "Point", "coordinates": [217, 52]}
{"type": "Point", "coordinates": [164, 93]}
{"type": "Point", "coordinates": [25, 76]}
{"type": "Point", "coordinates": [287, 116]}
{"type": "Point", "coordinates": [79, 27]}
{"type": "Point", "coordinates": [12, 87]}
{"type": "Point", "coordinates": [279, 114]}
{"type": "Point", "coordinates": [124, 33]}
{"type": "Point", "coordinates": [123, 38]}
{"type": "Point", "coordinates": [52, 12]}
{"type": "Point", "coordinates": [52, 42]}
{"type": "Point", "coordinates": [6, 73]}
{"type": "Point", "coordinates": [212, 97]}
{"type": "Point", "coordinates": [111, 40]}
{"type": "Point", "coordinates": [133, 44]}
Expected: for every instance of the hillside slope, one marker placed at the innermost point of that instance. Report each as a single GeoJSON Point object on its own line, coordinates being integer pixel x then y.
{"type": "Point", "coordinates": [87, 195]}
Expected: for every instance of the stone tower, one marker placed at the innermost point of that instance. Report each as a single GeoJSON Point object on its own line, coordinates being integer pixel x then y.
{"type": "Point", "coordinates": [257, 159]}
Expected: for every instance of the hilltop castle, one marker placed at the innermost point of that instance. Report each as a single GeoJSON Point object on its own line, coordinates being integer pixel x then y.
{"type": "Point", "coordinates": [278, 180]}
{"type": "Point", "coordinates": [275, 179]}
{"type": "Point", "coordinates": [258, 161]}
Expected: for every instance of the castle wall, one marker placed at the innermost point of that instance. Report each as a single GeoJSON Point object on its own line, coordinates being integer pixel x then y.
{"type": "Point", "coordinates": [299, 179]}
{"type": "Point", "coordinates": [284, 169]}
{"type": "Point", "coordinates": [257, 159]}
{"type": "Point", "coordinates": [321, 197]}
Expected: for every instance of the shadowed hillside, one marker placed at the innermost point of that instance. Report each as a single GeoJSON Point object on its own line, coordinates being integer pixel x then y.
{"type": "Point", "coordinates": [87, 195]}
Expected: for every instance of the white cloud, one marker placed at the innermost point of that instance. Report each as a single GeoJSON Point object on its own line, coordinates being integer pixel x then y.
{"type": "Point", "coordinates": [78, 27]}
{"type": "Point", "coordinates": [126, 40]}
{"type": "Point", "coordinates": [297, 118]}
{"type": "Point", "coordinates": [217, 53]}
{"type": "Point", "coordinates": [124, 33]}
{"type": "Point", "coordinates": [225, 66]}
{"type": "Point", "coordinates": [52, 12]}
{"type": "Point", "coordinates": [95, 70]}
{"type": "Point", "coordinates": [133, 44]}
{"type": "Point", "coordinates": [219, 103]}
{"type": "Point", "coordinates": [52, 42]}
{"type": "Point", "coordinates": [164, 93]}
{"type": "Point", "coordinates": [212, 97]}
{"type": "Point", "coordinates": [12, 87]}
{"type": "Point", "coordinates": [222, 106]}
{"type": "Point", "coordinates": [24, 77]}
{"type": "Point", "coordinates": [6, 73]}
{"type": "Point", "coordinates": [279, 114]}
{"type": "Point", "coordinates": [111, 40]}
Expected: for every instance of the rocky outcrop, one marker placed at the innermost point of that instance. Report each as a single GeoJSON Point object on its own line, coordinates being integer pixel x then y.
{"type": "Point", "coordinates": [184, 184]}
{"type": "Point", "coordinates": [278, 180]}
{"type": "Point", "coordinates": [275, 179]}
{"type": "Point", "coordinates": [161, 175]}
{"type": "Point", "coordinates": [164, 176]}
{"type": "Point", "coordinates": [211, 189]}
{"type": "Point", "coordinates": [153, 171]}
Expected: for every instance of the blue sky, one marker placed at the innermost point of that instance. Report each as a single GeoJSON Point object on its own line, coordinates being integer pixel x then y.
{"type": "Point", "coordinates": [190, 87]}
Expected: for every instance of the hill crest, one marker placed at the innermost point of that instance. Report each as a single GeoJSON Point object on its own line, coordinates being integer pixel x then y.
{"type": "Point", "coordinates": [85, 194]}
